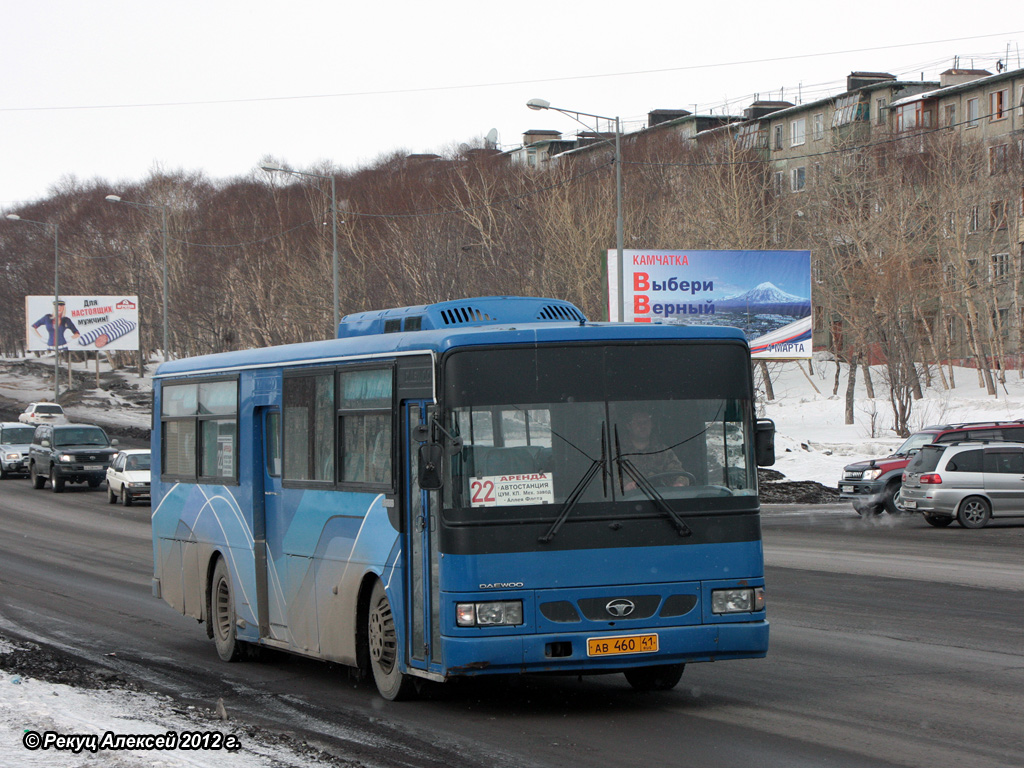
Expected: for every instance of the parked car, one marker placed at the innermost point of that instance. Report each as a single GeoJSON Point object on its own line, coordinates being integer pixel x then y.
{"type": "Point", "coordinates": [872, 486]}
{"type": "Point", "coordinates": [966, 482]}
{"type": "Point", "coordinates": [69, 453]}
{"type": "Point", "coordinates": [43, 413]}
{"type": "Point", "coordinates": [128, 477]}
{"type": "Point", "coordinates": [15, 439]}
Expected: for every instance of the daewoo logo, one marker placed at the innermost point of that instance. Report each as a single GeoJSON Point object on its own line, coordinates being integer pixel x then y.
{"type": "Point", "coordinates": [502, 585]}
{"type": "Point", "coordinates": [620, 608]}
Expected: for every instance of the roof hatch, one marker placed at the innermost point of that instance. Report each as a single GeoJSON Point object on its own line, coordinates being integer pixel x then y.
{"type": "Point", "coordinates": [481, 311]}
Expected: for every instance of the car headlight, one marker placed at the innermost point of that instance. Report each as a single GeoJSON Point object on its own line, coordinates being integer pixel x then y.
{"type": "Point", "coordinates": [12, 456]}
{"type": "Point", "coordinates": [872, 474]}
{"type": "Point", "coordinates": [746, 600]}
{"type": "Point", "coordinates": [67, 458]}
{"type": "Point", "coordinates": [506, 612]}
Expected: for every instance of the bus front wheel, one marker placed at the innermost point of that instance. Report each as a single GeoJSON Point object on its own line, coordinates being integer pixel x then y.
{"type": "Point", "coordinates": [383, 642]}
{"type": "Point", "coordinates": [222, 613]}
{"type": "Point", "coordinates": [663, 677]}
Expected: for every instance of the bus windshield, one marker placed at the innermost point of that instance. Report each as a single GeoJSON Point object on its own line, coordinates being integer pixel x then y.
{"type": "Point", "coordinates": [644, 422]}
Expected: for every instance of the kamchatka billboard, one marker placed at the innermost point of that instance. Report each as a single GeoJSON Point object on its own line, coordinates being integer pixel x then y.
{"type": "Point", "coordinates": [83, 323]}
{"type": "Point", "coordinates": [766, 294]}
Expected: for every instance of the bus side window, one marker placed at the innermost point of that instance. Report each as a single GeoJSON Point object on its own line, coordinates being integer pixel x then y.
{"type": "Point", "coordinates": [308, 427]}
{"type": "Point", "coordinates": [364, 426]}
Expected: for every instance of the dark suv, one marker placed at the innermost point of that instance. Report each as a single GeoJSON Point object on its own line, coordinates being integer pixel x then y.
{"type": "Point", "coordinates": [873, 485]}
{"type": "Point", "coordinates": [69, 453]}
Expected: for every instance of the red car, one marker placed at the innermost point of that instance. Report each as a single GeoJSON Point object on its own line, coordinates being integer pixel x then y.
{"type": "Point", "coordinates": [873, 486]}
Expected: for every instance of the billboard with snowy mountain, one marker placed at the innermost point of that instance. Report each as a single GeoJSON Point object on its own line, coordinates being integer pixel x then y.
{"type": "Point", "coordinates": [766, 294]}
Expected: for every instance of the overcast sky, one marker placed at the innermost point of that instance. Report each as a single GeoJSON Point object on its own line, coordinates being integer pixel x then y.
{"type": "Point", "coordinates": [115, 89]}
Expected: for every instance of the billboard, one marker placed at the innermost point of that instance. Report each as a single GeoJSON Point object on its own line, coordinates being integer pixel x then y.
{"type": "Point", "coordinates": [84, 323]}
{"type": "Point", "coordinates": [766, 294]}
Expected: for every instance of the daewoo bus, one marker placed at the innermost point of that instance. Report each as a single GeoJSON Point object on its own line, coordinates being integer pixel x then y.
{"type": "Point", "coordinates": [452, 490]}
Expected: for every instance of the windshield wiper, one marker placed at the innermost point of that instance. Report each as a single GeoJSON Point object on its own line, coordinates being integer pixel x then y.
{"type": "Point", "coordinates": [638, 477]}
{"type": "Point", "coordinates": [578, 491]}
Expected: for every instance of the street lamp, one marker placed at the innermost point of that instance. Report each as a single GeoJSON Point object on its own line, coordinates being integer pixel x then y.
{"type": "Point", "coordinates": [163, 238]}
{"type": "Point", "coordinates": [539, 104]}
{"type": "Point", "coordinates": [276, 168]}
{"type": "Point", "coordinates": [56, 301]}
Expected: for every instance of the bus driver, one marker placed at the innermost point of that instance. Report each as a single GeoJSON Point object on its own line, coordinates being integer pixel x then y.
{"type": "Point", "coordinates": [646, 454]}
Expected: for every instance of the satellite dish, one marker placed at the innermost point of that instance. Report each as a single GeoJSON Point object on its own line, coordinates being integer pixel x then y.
{"type": "Point", "coordinates": [491, 139]}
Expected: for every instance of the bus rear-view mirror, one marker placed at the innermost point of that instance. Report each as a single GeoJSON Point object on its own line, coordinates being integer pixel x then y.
{"type": "Point", "coordinates": [764, 442]}
{"type": "Point", "coordinates": [431, 456]}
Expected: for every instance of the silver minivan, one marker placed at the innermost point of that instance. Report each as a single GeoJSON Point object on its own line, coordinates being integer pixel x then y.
{"type": "Point", "coordinates": [967, 482]}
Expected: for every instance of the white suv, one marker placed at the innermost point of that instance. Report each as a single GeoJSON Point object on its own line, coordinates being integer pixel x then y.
{"type": "Point", "coordinates": [968, 482]}
{"type": "Point", "coordinates": [43, 413]}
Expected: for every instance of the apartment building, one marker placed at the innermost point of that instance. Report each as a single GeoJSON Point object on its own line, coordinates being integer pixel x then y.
{"type": "Point", "coordinates": [986, 111]}
{"type": "Point", "coordinates": [852, 135]}
{"type": "Point", "coordinates": [796, 139]}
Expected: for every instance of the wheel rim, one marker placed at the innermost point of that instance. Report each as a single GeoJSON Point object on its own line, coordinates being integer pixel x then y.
{"type": "Point", "coordinates": [223, 609]}
{"type": "Point", "coordinates": [382, 636]}
{"type": "Point", "coordinates": [974, 511]}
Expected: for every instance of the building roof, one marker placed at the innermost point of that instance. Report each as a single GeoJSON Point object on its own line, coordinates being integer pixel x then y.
{"type": "Point", "coordinates": [951, 90]}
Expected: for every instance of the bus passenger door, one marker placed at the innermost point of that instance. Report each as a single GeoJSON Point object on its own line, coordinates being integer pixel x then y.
{"type": "Point", "coordinates": [422, 585]}
{"type": "Point", "coordinates": [267, 521]}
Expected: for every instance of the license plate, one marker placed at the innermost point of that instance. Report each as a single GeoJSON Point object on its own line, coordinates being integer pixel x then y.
{"type": "Point", "coordinates": [93, 467]}
{"type": "Point", "coordinates": [909, 504]}
{"type": "Point", "coordinates": [846, 488]}
{"type": "Point", "coordinates": [612, 646]}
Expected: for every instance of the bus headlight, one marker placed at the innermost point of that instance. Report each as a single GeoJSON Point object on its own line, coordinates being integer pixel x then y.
{"type": "Point", "coordinates": [506, 612]}
{"type": "Point", "coordinates": [746, 600]}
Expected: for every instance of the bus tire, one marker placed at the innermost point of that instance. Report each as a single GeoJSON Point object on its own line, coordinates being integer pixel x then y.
{"type": "Point", "coordinates": [222, 613]}
{"type": "Point", "coordinates": [663, 677]}
{"type": "Point", "coordinates": [382, 636]}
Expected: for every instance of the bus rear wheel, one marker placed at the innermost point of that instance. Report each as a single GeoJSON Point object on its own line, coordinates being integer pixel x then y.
{"type": "Point", "coordinates": [663, 677]}
{"type": "Point", "coordinates": [222, 614]}
{"type": "Point", "coordinates": [383, 646]}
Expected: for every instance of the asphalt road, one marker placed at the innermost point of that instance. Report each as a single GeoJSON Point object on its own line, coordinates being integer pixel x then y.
{"type": "Point", "coordinates": [893, 644]}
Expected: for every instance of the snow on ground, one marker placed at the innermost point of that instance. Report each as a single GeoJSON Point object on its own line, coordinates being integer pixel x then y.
{"type": "Point", "coordinates": [812, 443]}
{"type": "Point", "coordinates": [60, 726]}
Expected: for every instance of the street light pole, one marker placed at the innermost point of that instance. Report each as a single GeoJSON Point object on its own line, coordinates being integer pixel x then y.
{"type": "Point", "coordinates": [163, 240]}
{"type": "Point", "coordinates": [538, 104]}
{"type": "Point", "coordinates": [275, 168]}
{"type": "Point", "coordinates": [56, 301]}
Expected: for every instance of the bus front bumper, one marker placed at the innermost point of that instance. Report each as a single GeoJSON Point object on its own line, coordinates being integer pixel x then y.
{"type": "Point", "coordinates": [567, 652]}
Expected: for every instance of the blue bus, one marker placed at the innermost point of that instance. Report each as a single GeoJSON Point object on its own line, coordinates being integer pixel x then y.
{"type": "Point", "coordinates": [475, 487]}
